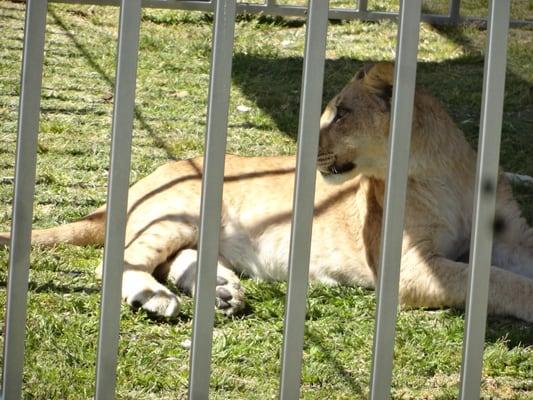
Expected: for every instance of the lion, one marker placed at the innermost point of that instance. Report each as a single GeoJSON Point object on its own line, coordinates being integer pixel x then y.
{"type": "Point", "coordinates": [164, 208]}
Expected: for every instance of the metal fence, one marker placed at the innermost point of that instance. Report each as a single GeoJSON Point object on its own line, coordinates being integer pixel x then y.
{"type": "Point", "coordinates": [360, 10]}
{"type": "Point", "coordinates": [218, 100]}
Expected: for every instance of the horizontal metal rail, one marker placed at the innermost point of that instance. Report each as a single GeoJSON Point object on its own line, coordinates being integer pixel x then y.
{"type": "Point", "coordinates": [274, 9]}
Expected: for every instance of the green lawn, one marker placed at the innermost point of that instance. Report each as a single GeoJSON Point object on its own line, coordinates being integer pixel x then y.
{"type": "Point", "coordinates": [170, 122]}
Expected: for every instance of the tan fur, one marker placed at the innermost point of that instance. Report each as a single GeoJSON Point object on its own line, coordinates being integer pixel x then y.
{"type": "Point", "coordinates": [163, 212]}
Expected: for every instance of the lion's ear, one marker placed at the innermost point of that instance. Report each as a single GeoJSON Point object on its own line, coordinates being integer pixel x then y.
{"type": "Point", "coordinates": [379, 77]}
{"type": "Point", "coordinates": [363, 71]}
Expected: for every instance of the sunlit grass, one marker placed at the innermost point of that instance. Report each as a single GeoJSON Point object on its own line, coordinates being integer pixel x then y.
{"type": "Point", "coordinates": [170, 123]}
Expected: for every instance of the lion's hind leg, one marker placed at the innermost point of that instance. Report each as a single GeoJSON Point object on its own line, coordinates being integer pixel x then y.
{"type": "Point", "coordinates": [513, 237]}
{"type": "Point", "coordinates": [181, 271]}
{"type": "Point", "coordinates": [514, 257]}
{"type": "Point", "coordinates": [513, 246]}
{"type": "Point", "coordinates": [437, 282]}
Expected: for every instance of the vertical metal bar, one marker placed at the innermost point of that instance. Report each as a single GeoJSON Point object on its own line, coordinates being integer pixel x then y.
{"type": "Point", "coordinates": [362, 6]}
{"type": "Point", "coordinates": [454, 11]}
{"type": "Point", "coordinates": [393, 218]}
{"type": "Point", "coordinates": [25, 163]}
{"type": "Point", "coordinates": [117, 197]}
{"type": "Point", "coordinates": [485, 200]}
{"type": "Point", "coordinates": [309, 128]}
{"type": "Point", "coordinates": [213, 177]}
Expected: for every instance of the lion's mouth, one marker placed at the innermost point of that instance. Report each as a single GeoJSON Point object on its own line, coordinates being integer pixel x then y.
{"type": "Point", "coordinates": [338, 169]}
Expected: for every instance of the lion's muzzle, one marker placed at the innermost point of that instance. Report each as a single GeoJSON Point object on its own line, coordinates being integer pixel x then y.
{"type": "Point", "coordinates": [327, 165]}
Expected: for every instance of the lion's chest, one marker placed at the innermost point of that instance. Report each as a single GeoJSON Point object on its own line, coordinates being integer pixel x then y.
{"type": "Point", "coordinates": [262, 251]}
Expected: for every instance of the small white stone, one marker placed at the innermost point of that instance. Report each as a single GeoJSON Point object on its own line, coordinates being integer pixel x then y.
{"type": "Point", "coordinates": [243, 108]}
{"type": "Point", "coordinates": [180, 94]}
{"type": "Point", "coordinates": [186, 344]}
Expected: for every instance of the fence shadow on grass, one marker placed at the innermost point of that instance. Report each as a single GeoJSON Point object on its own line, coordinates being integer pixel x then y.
{"type": "Point", "coordinates": [51, 287]}
{"type": "Point", "coordinates": [93, 63]}
{"type": "Point", "coordinates": [357, 384]}
{"type": "Point", "coordinates": [513, 332]}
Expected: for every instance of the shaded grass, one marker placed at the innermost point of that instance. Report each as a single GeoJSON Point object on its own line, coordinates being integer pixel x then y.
{"type": "Point", "coordinates": [170, 122]}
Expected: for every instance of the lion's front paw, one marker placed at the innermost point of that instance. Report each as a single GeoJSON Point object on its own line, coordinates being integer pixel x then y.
{"type": "Point", "coordinates": [229, 295]}
{"type": "Point", "coordinates": [160, 303]}
{"type": "Point", "coordinates": [141, 290]}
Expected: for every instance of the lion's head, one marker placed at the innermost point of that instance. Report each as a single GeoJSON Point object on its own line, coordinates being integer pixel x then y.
{"type": "Point", "coordinates": [354, 127]}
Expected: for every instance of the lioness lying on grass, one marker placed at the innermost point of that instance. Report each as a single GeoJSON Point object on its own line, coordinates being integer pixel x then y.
{"type": "Point", "coordinates": [163, 213]}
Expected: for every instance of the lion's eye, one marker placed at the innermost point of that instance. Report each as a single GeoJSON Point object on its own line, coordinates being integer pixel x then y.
{"type": "Point", "coordinates": [341, 113]}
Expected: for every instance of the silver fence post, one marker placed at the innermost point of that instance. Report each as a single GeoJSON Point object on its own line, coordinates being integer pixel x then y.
{"type": "Point", "coordinates": [303, 204]}
{"type": "Point", "coordinates": [454, 11]}
{"type": "Point", "coordinates": [24, 189]}
{"type": "Point", "coordinates": [362, 6]}
{"type": "Point", "coordinates": [117, 197]}
{"type": "Point", "coordinates": [212, 185]}
{"type": "Point", "coordinates": [394, 205]}
{"type": "Point", "coordinates": [485, 200]}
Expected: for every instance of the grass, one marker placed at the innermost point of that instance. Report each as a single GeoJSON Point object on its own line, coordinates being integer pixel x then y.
{"type": "Point", "coordinates": [173, 73]}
